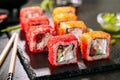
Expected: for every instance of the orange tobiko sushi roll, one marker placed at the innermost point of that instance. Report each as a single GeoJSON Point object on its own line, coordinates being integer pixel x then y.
{"type": "Point", "coordinates": [63, 18]}
{"type": "Point", "coordinates": [95, 45]}
{"type": "Point", "coordinates": [75, 27]}
{"type": "Point", "coordinates": [64, 9]}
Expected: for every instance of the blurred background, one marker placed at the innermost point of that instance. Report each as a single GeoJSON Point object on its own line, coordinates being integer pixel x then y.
{"type": "Point", "coordinates": [12, 7]}
{"type": "Point", "coordinates": [9, 9]}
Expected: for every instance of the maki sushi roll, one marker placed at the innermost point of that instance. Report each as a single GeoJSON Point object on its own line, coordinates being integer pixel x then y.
{"type": "Point", "coordinates": [29, 12]}
{"type": "Point", "coordinates": [63, 18]}
{"type": "Point", "coordinates": [95, 45]}
{"type": "Point", "coordinates": [34, 21]}
{"type": "Point", "coordinates": [75, 27]}
{"type": "Point", "coordinates": [64, 9]}
{"type": "Point", "coordinates": [63, 49]}
{"type": "Point", "coordinates": [37, 37]}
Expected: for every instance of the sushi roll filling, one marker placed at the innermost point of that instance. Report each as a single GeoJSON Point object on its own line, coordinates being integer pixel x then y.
{"type": "Point", "coordinates": [98, 47]}
{"type": "Point", "coordinates": [65, 53]}
{"type": "Point", "coordinates": [30, 15]}
{"type": "Point", "coordinates": [76, 31]}
{"type": "Point", "coordinates": [41, 40]}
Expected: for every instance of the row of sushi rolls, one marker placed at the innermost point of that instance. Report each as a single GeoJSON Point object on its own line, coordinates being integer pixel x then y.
{"type": "Point", "coordinates": [64, 38]}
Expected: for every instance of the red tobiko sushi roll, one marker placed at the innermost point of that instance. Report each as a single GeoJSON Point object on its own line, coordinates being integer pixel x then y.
{"type": "Point", "coordinates": [34, 21]}
{"type": "Point", "coordinates": [37, 37]}
{"type": "Point", "coordinates": [95, 45]}
{"type": "Point", "coordinates": [29, 12]}
{"type": "Point", "coordinates": [63, 49]}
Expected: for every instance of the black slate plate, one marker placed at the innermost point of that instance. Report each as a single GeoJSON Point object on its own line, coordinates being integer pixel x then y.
{"type": "Point", "coordinates": [38, 67]}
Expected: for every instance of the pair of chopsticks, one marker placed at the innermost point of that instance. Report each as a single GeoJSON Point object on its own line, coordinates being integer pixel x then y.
{"type": "Point", "coordinates": [14, 39]}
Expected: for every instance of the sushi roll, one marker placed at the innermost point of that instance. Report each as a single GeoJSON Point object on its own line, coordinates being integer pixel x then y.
{"type": "Point", "coordinates": [29, 12]}
{"type": "Point", "coordinates": [64, 9]}
{"type": "Point", "coordinates": [63, 18]}
{"type": "Point", "coordinates": [37, 37]}
{"type": "Point", "coordinates": [95, 45]}
{"type": "Point", "coordinates": [63, 49]}
{"type": "Point", "coordinates": [34, 21]}
{"type": "Point", "coordinates": [75, 27]}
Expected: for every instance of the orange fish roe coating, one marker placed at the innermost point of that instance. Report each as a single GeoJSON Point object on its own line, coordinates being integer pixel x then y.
{"type": "Point", "coordinates": [72, 24]}
{"type": "Point", "coordinates": [63, 18]}
{"type": "Point", "coordinates": [64, 9]}
{"type": "Point", "coordinates": [90, 38]}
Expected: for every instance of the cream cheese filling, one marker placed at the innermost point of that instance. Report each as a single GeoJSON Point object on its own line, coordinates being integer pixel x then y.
{"type": "Point", "coordinates": [98, 47]}
{"type": "Point", "coordinates": [41, 40]}
{"type": "Point", "coordinates": [65, 53]}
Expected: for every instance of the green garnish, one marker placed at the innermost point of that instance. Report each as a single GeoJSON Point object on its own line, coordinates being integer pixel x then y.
{"type": "Point", "coordinates": [110, 22]}
{"type": "Point", "coordinates": [46, 5]}
{"type": "Point", "coordinates": [113, 41]}
{"type": "Point", "coordinates": [10, 29]}
{"type": "Point", "coordinates": [89, 29]}
{"type": "Point", "coordinates": [116, 36]}
{"type": "Point", "coordinates": [110, 18]}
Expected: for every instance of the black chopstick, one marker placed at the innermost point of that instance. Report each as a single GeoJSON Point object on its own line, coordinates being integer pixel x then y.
{"type": "Point", "coordinates": [13, 59]}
